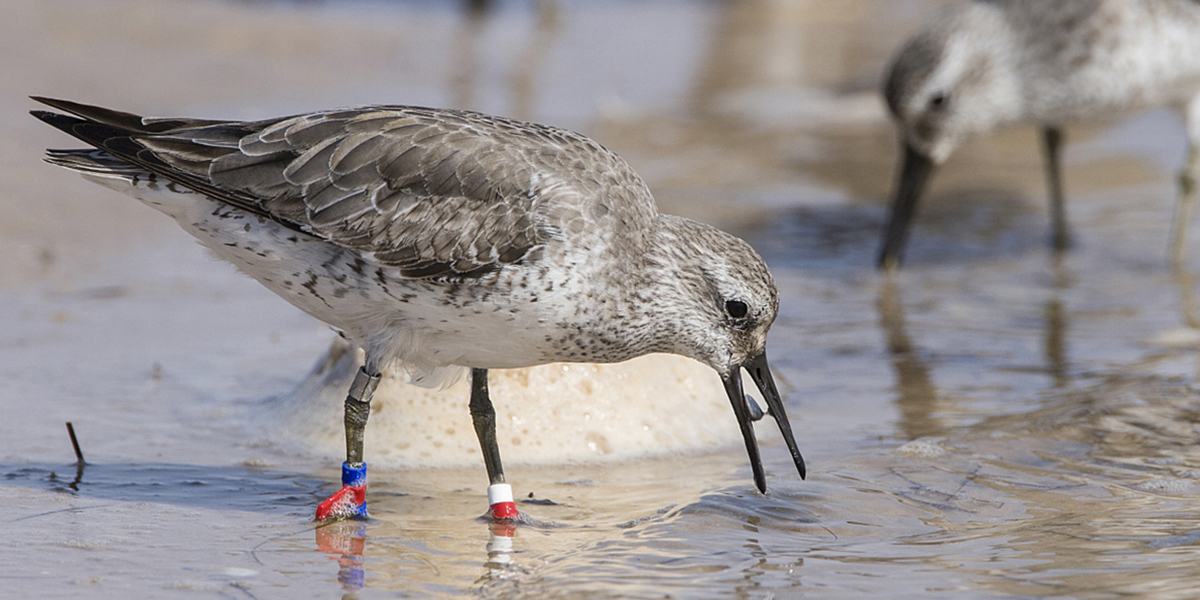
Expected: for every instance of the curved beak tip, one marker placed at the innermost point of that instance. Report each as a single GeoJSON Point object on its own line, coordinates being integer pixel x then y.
{"type": "Point", "coordinates": [760, 373]}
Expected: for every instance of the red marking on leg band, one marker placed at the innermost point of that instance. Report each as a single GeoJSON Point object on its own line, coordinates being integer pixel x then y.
{"type": "Point", "coordinates": [505, 510]}
{"type": "Point", "coordinates": [347, 502]}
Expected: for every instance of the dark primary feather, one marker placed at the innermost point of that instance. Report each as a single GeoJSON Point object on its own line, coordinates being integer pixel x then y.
{"type": "Point", "coordinates": [436, 193]}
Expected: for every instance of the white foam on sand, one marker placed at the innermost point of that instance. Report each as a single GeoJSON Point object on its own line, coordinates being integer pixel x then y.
{"type": "Point", "coordinates": [553, 414]}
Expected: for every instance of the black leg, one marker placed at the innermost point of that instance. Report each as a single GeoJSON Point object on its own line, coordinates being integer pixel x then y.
{"type": "Point", "coordinates": [358, 409]}
{"type": "Point", "coordinates": [1051, 143]}
{"type": "Point", "coordinates": [484, 417]}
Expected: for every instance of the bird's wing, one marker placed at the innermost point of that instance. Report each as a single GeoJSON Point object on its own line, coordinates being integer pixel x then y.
{"type": "Point", "coordinates": [434, 193]}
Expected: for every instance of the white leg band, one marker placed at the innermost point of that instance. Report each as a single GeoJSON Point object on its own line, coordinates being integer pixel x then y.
{"type": "Point", "coordinates": [499, 492]}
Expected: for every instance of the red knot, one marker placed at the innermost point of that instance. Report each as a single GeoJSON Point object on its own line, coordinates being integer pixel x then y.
{"type": "Point", "coordinates": [444, 239]}
{"type": "Point", "coordinates": [987, 64]}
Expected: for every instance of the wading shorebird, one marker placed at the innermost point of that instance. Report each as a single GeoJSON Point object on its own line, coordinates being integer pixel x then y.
{"type": "Point", "coordinates": [990, 63]}
{"type": "Point", "coordinates": [445, 239]}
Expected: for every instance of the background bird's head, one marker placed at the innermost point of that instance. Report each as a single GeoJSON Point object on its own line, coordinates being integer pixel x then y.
{"type": "Point", "coordinates": [952, 81]}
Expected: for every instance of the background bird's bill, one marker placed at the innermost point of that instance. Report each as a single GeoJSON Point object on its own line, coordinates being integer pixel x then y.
{"type": "Point", "coordinates": [757, 367]}
{"type": "Point", "coordinates": [914, 172]}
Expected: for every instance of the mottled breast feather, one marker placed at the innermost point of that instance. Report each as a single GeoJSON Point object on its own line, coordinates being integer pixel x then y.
{"type": "Point", "coordinates": [432, 192]}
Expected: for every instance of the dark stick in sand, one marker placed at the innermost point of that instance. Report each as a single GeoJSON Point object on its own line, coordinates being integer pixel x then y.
{"type": "Point", "coordinates": [75, 444]}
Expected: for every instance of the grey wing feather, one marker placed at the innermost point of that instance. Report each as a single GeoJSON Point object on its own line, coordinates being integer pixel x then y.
{"type": "Point", "coordinates": [434, 193]}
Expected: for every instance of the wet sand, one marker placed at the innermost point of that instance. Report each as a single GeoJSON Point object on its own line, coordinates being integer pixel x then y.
{"type": "Point", "coordinates": [993, 422]}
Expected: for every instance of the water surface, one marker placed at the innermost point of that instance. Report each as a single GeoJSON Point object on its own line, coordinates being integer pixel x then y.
{"type": "Point", "coordinates": [993, 422]}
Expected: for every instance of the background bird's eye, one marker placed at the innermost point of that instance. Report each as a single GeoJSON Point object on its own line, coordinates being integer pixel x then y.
{"type": "Point", "coordinates": [736, 308]}
{"type": "Point", "coordinates": [939, 101]}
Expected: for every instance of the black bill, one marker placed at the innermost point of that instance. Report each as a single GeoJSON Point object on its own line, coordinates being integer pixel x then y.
{"type": "Point", "coordinates": [914, 172]}
{"type": "Point", "coordinates": [757, 368]}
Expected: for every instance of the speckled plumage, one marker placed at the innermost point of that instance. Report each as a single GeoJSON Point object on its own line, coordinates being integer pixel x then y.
{"type": "Point", "coordinates": [443, 238]}
{"type": "Point", "coordinates": [985, 64]}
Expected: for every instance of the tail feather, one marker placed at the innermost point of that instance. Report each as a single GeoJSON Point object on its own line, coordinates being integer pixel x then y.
{"type": "Point", "coordinates": [101, 135]}
{"type": "Point", "coordinates": [115, 118]}
{"type": "Point", "coordinates": [95, 162]}
{"type": "Point", "coordinates": [59, 121]}
{"type": "Point", "coordinates": [101, 160]}
{"type": "Point", "coordinates": [126, 138]}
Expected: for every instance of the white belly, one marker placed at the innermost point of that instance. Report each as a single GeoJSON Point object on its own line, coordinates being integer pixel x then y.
{"type": "Point", "coordinates": [433, 328]}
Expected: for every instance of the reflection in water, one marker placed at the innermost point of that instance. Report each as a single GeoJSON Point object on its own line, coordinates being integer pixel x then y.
{"type": "Point", "coordinates": [1055, 341]}
{"type": "Point", "coordinates": [80, 463]}
{"type": "Point", "coordinates": [1055, 326]}
{"type": "Point", "coordinates": [916, 395]}
{"type": "Point", "coordinates": [74, 485]}
{"type": "Point", "coordinates": [759, 560]}
{"type": "Point", "coordinates": [348, 540]}
{"type": "Point", "coordinates": [1186, 282]}
{"type": "Point", "coordinates": [1108, 472]}
{"type": "Point", "coordinates": [499, 564]}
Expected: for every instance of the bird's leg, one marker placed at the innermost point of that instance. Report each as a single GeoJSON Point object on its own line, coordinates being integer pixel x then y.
{"type": "Point", "coordinates": [351, 500]}
{"type": "Point", "coordinates": [1187, 182]}
{"type": "Point", "coordinates": [500, 497]}
{"type": "Point", "coordinates": [1187, 202]}
{"type": "Point", "coordinates": [1051, 143]}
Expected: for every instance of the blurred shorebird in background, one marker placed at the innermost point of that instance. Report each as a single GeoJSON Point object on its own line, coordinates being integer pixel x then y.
{"type": "Point", "coordinates": [444, 239]}
{"type": "Point", "coordinates": [990, 63]}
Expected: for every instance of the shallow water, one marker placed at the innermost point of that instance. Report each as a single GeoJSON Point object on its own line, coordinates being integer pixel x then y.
{"type": "Point", "coordinates": [992, 422]}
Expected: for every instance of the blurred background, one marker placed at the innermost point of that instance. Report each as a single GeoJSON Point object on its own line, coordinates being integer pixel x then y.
{"type": "Point", "coordinates": [993, 421]}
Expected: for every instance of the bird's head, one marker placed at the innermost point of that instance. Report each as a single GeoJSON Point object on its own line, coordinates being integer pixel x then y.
{"type": "Point", "coordinates": [949, 82]}
{"type": "Point", "coordinates": [722, 301]}
{"type": "Point", "coordinates": [953, 80]}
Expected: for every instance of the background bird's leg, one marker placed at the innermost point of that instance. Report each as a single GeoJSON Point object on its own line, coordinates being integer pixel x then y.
{"type": "Point", "coordinates": [1051, 144]}
{"type": "Point", "coordinates": [1188, 178]}
{"type": "Point", "coordinates": [1187, 202]}
{"type": "Point", "coordinates": [484, 416]}
{"type": "Point", "coordinates": [351, 500]}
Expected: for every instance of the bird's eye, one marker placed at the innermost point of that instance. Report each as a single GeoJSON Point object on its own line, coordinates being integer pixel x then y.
{"type": "Point", "coordinates": [736, 308]}
{"type": "Point", "coordinates": [939, 101]}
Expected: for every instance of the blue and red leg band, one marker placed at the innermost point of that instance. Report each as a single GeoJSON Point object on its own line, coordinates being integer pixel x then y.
{"type": "Point", "coordinates": [351, 500]}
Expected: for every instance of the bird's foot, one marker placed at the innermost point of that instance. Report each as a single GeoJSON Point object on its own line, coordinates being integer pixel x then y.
{"type": "Point", "coordinates": [351, 500]}
{"type": "Point", "coordinates": [500, 503]}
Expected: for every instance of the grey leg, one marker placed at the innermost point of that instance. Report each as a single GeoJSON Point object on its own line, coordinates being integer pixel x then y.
{"type": "Point", "coordinates": [351, 500]}
{"type": "Point", "coordinates": [1187, 203]}
{"type": "Point", "coordinates": [1188, 178]}
{"type": "Point", "coordinates": [484, 417]}
{"type": "Point", "coordinates": [1051, 143]}
{"type": "Point", "coordinates": [358, 409]}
